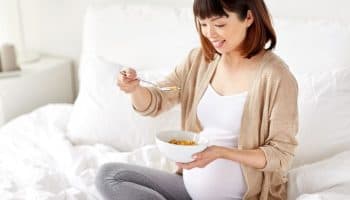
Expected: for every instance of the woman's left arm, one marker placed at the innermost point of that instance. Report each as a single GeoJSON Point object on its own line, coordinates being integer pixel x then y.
{"type": "Point", "coordinates": [254, 158]}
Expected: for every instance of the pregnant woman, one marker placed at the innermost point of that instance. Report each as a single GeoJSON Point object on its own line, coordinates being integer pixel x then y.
{"type": "Point", "coordinates": [234, 91]}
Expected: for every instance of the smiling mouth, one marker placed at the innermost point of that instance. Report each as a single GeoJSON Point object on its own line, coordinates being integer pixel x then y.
{"type": "Point", "coordinates": [218, 44]}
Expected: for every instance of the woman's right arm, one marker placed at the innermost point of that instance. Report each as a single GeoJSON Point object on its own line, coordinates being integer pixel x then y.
{"type": "Point", "coordinates": [150, 101]}
{"type": "Point", "coordinates": [128, 82]}
{"type": "Point", "coordinates": [141, 99]}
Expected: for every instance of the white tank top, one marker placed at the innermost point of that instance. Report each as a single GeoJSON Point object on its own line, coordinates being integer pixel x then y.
{"type": "Point", "coordinates": [220, 117]}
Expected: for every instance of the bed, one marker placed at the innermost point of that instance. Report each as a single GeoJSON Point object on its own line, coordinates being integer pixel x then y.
{"type": "Point", "coordinates": [53, 152]}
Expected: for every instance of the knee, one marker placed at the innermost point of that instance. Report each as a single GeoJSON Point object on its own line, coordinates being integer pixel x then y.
{"type": "Point", "coordinates": [106, 175]}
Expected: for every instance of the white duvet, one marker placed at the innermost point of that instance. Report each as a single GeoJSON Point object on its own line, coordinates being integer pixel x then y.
{"type": "Point", "coordinates": [38, 162]}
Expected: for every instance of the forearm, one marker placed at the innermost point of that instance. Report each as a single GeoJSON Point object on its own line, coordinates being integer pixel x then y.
{"type": "Point", "coordinates": [253, 158]}
{"type": "Point", "coordinates": [141, 98]}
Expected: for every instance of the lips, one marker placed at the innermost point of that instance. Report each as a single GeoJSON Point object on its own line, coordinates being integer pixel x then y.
{"type": "Point", "coordinates": [218, 43]}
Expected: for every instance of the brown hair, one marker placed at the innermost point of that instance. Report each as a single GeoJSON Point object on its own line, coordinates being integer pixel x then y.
{"type": "Point", "coordinates": [258, 34]}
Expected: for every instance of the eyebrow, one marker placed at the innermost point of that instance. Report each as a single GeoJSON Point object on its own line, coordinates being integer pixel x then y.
{"type": "Point", "coordinates": [216, 18]}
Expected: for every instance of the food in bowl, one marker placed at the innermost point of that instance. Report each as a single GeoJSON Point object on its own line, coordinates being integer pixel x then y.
{"type": "Point", "coordinates": [180, 153]}
{"type": "Point", "coordinates": [182, 142]}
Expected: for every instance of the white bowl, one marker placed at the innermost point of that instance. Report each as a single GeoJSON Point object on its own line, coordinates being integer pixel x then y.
{"type": "Point", "coordinates": [180, 153]}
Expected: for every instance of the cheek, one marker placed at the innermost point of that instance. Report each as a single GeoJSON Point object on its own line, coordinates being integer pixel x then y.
{"type": "Point", "coordinates": [205, 32]}
{"type": "Point", "coordinates": [236, 35]}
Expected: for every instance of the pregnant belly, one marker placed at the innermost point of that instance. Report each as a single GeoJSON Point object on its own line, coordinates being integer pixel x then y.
{"type": "Point", "coordinates": [221, 179]}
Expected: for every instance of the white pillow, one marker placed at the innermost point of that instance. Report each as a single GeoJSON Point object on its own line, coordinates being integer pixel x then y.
{"type": "Point", "coordinates": [313, 45]}
{"type": "Point", "coordinates": [103, 114]}
{"type": "Point", "coordinates": [327, 195]}
{"type": "Point", "coordinates": [324, 113]}
{"type": "Point", "coordinates": [136, 34]}
{"type": "Point", "coordinates": [326, 178]}
{"type": "Point", "coordinates": [142, 35]}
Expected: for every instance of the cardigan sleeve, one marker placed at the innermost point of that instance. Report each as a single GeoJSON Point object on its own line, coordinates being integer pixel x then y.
{"type": "Point", "coordinates": [162, 101]}
{"type": "Point", "coordinates": [281, 142]}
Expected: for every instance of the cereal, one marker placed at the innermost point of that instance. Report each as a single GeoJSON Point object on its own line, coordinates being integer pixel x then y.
{"type": "Point", "coordinates": [182, 142]}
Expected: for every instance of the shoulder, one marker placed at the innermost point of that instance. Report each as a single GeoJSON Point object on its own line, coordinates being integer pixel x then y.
{"type": "Point", "coordinates": [195, 59]}
{"type": "Point", "coordinates": [275, 69]}
{"type": "Point", "coordinates": [190, 62]}
{"type": "Point", "coordinates": [196, 54]}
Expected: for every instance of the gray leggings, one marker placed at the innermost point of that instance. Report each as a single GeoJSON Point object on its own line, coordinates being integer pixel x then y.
{"type": "Point", "coordinates": [119, 181]}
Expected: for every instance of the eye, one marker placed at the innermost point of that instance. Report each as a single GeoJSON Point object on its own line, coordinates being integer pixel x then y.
{"type": "Point", "coordinates": [220, 25]}
{"type": "Point", "coordinates": [203, 25]}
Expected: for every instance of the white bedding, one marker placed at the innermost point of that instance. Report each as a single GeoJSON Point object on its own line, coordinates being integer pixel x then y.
{"type": "Point", "coordinates": [38, 162]}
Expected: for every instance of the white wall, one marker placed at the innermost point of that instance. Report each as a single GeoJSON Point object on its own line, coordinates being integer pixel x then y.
{"type": "Point", "coordinates": [9, 24]}
{"type": "Point", "coordinates": [54, 26]}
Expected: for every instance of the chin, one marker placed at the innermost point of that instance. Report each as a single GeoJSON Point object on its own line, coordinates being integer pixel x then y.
{"type": "Point", "coordinates": [222, 51]}
{"type": "Point", "coordinates": [226, 50]}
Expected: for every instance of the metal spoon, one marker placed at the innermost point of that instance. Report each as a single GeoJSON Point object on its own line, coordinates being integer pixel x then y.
{"type": "Point", "coordinates": [165, 89]}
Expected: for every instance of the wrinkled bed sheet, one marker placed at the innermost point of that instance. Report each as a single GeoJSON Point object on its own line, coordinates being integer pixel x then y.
{"type": "Point", "coordinates": [37, 161]}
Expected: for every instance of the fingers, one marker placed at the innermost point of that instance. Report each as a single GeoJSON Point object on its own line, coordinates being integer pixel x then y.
{"type": "Point", "coordinates": [189, 165]}
{"type": "Point", "coordinates": [197, 156]}
{"type": "Point", "coordinates": [128, 86]}
{"type": "Point", "coordinates": [127, 80]}
{"type": "Point", "coordinates": [179, 171]}
{"type": "Point", "coordinates": [181, 165]}
{"type": "Point", "coordinates": [201, 159]}
{"type": "Point", "coordinates": [129, 73]}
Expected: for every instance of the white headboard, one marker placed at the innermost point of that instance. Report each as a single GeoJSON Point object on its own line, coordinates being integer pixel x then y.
{"type": "Point", "coordinates": [306, 9]}
{"type": "Point", "coordinates": [321, 9]}
{"type": "Point", "coordinates": [55, 27]}
{"type": "Point", "coordinates": [159, 35]}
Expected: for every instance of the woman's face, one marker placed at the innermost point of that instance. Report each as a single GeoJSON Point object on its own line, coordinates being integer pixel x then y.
{"type": "Point", "coordinates": [225, 33]}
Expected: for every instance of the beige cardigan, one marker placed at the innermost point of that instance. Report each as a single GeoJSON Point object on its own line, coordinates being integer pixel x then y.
{"type": "Point", "coordinates": [269, 121]}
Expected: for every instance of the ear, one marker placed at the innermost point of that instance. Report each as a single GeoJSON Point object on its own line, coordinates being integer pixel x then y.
{"type": "Point", "coordinates": [249, 19]}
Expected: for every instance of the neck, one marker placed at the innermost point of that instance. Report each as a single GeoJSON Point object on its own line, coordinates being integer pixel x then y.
{"type": "Point", "coordinates": [233, 59]}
